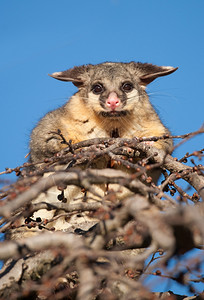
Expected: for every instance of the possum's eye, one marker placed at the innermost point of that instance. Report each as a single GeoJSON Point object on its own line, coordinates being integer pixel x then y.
{"type": "Point", "coordinates": [97, 88]}
{"type": "Point", "coordinates": [127, 87]}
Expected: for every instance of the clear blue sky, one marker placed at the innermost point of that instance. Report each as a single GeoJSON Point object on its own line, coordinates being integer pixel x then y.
{"type": "Point", "coordinates": [44, 36]}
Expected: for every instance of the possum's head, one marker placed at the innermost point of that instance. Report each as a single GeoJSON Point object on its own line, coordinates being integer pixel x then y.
{"type": "Point", "coordinates": [113, 89]}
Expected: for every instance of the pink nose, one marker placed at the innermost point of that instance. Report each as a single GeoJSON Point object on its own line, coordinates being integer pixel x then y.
{"type": "Point", "coordinates": [113, 101]}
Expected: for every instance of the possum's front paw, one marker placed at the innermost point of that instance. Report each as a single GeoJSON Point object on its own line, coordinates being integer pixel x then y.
{"type": "Point", "coordinates": [45, 147]}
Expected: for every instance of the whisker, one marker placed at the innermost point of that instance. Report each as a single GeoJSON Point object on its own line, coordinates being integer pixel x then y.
{"type": "Point", "coordinates": [162, 94]}
{"type": "Point", "coordinates": [133, 98]}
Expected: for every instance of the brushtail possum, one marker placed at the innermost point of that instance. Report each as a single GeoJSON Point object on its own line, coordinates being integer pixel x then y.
{"type": "Point", "coordinates": [111, 101]}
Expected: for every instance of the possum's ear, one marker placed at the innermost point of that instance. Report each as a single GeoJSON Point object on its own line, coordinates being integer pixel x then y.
{"type": "Point", "coordinates": [77, 75]}
{"type": "Point", "coordinates": [148, 72]}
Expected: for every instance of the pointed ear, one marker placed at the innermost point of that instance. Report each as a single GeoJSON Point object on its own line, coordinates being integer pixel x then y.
{"type": "Point", "coordinates": [77, 75]}
{"type": "Point", "coordinates": [148, 72]}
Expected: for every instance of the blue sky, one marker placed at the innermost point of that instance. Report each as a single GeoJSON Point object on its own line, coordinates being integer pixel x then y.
{"type": "Point", "coordinates": [40, 37]}
{"type": "Point", "coordinates": [44, 36]}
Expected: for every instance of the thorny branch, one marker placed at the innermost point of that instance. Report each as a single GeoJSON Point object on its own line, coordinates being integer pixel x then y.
{"type": "Point", "coordinates": [117, 219]}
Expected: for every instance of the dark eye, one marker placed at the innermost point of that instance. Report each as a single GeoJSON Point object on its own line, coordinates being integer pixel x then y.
{"type": "Point", "coordinates": [97, 88]}
{"type": "Point", "coordinates": [127, 87]}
